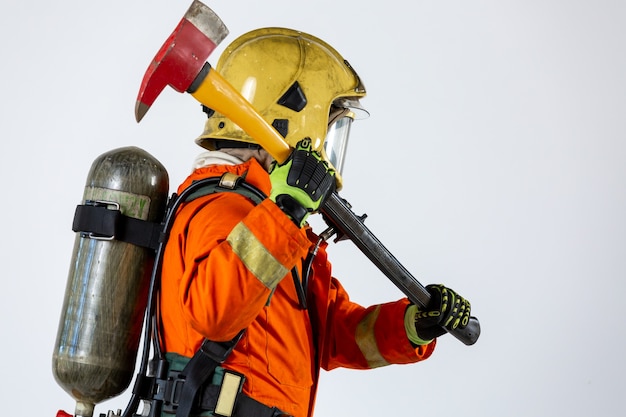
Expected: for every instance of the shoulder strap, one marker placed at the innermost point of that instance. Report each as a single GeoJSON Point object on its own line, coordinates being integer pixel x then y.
{"type": "Point", "coordinates": [211, 354]}
{"type": "Point", "coordinates": [227, 182]}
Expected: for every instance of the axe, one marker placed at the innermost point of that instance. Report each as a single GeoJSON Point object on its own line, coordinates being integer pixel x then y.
{"type": "Point", "coordinates": [180, 63]}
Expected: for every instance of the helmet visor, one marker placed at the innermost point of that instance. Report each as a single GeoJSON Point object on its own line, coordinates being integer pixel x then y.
{"type": "Point", "coordinates": [336, 142]}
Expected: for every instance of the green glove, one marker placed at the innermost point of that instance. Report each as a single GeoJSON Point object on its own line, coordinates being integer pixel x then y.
{"type": "Point", "coordinates": [301, 183]}
{"type": "Point", "coordinates": [446, 311]}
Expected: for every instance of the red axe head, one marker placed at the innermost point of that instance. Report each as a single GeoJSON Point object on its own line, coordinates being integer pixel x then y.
{"type": "Point", "coordinates": [182, 56]}
{"type": "Point", "coordinates": [181, 64]}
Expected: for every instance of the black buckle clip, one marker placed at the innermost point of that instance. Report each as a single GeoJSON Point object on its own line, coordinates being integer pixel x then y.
{"type": "Point", "coordinates": [220, 351]}
{"type": "Point", "coordinates": [172, 391]}
{"type": "Point", "coordinates": [97, 219]}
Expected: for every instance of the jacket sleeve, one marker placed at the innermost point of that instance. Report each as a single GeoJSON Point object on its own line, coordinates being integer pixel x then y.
{"type": "Point", "coordinates": [364, 338]}
{"type": "Point", "coordinates": [233, 261]}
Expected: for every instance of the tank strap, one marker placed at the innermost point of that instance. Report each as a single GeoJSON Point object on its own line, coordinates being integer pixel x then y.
{"type": "Point", "coordinates": [103, 220]}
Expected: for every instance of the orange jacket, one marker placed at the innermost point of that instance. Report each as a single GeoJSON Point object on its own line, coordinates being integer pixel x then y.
{"type": "Point", "coordinates": [222, 272]}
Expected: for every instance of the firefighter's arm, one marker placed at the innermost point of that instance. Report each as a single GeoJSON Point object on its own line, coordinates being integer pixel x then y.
{"type": "Point", "coordinates": [365, 338]}
{"type": "Point", "coordinates": [236, 254]}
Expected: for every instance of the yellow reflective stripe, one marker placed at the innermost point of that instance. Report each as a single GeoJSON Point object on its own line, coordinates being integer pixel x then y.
{"type": "Point", "coordinates": [367, 342]}
{"type": "Point", "coordinates": [255, 256]}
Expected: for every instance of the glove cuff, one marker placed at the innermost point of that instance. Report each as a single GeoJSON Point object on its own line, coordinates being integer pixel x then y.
{"type": "Point", "coordinates": [292, 208]}
{"type": "Point", "coordinates": [409, 326]}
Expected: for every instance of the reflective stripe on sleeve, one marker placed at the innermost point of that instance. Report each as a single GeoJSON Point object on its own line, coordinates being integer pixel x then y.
{"type": "Point", "coordinates": [366, 340]}
{"type": "Point", "coordinates": [255, 256]}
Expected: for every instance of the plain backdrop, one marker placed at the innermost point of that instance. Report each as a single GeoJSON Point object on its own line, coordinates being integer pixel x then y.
{"type": "Point", "coordinates": [494, 161]}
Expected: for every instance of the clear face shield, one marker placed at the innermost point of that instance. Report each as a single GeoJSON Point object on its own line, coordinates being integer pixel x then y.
{"type": "Point", "coordinates": [336, 142]}
{"type": "Point", "coordinates": [339, 123]}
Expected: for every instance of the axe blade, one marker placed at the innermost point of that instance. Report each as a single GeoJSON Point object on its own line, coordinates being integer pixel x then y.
{"type": "Point", "coordinates": [182, 56]}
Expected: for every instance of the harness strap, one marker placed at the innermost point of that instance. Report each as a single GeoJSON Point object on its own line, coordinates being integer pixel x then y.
{"type": "Point", "coordinates": [200, 368]}
{"type": "Point", "coordinates": [224, 400]}
{"type": "Point", "coordinates": [227, 182]}
{"type": "Point", "coordinates": [244, 407]}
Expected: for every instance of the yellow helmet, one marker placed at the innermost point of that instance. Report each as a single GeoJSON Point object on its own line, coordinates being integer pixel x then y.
{"type": "Point", "coordinates": [297, 82]}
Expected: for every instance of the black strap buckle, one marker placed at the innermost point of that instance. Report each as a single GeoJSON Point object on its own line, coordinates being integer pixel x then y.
{"type": "Point", "coordinates": [219, 351]}
{"type": "Point", "coordinates": [173, 388]}
{"type": "Point", "coordinates": [97, 219]}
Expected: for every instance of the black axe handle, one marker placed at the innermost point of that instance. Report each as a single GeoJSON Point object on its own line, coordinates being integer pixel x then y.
{"type": "Point", "coordinates": [343, 219]}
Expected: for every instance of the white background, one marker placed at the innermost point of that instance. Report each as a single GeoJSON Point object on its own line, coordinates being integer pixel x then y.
{"type": "Point", "coordinates": [494, 161]}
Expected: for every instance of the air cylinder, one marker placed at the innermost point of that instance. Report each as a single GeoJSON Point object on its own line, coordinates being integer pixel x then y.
{"type": "Point", "coordinates": [107, 285]}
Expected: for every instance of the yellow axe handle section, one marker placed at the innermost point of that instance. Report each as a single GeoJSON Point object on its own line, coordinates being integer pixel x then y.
{"type": "Point", "coordinates": [218, 94]}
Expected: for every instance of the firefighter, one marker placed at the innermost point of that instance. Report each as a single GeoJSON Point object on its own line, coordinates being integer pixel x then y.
{"type": "Point", "coordinates": [232, 264]}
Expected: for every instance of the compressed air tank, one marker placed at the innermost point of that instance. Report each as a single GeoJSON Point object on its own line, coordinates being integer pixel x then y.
{"type": "Point", "coordinates": [107, 285]}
